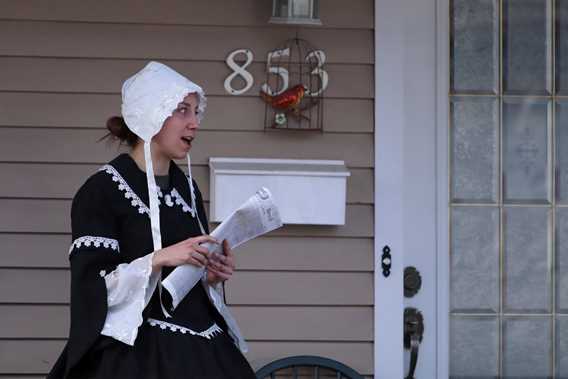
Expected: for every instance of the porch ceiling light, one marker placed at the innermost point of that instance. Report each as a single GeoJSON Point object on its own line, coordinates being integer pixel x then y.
{"type": "Point", "coordinates": [296, 12]}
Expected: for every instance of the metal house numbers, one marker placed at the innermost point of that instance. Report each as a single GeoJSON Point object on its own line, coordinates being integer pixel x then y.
{"type": "Point", "coordinates": [295, 82]}
{"type": "Point", "coordinates": [241, 71]}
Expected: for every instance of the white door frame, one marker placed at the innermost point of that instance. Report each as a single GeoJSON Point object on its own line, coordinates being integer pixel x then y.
{"type": "Point", "coordinates": [443, 188]}
{"type": "Point", "coordinates": [392, 102]}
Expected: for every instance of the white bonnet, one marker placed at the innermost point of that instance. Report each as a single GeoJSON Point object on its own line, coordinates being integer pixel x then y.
{"type": "Point", "coordinates": [152, 94]}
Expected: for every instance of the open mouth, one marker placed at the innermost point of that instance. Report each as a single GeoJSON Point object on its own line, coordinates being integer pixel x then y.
{"type": "Point", "coordinates": [187, 140]}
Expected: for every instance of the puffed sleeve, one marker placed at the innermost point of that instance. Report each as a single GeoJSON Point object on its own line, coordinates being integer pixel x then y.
{"type": "Point", "coordinates": [108, 294]}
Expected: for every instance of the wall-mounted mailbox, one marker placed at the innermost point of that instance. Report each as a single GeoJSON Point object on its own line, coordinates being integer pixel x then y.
{"type": "Point", "coordinates": [306, 191]}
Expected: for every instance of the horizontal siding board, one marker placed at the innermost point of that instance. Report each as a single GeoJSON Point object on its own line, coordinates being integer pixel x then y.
{"type": "Point", "coordinates": [21, 286]}
{"type": "Point", "coordinates": [35, 216]}
{"type": "Point", "coordinates": [291, 288]}
{"type": "Point", "coordinates": [107, 75]}
{"type": "Point", "coordinates": [257, 323]}
{"type": "Point", "coordinates": [264, 253]}
{"type": "Point", "coordinates": [80, 146]}
{"type": "Point", "coordinates": [27, 286]}
{"type": "Point", "coordinates": [52, 216]}
{"type": "Point", "coordinates": [212, 12]}
{"type": "Point", "coordinates": [314, 254]}
{"type": "Point", "coordinates": [38, 356]}
{"type": "Point", "coordinates": [28, 356]}
{"type": "Point", "coordinates": [224, 112]}
{"type": "Point", "coordinates": [204, 43]}
{"type": "Point", "coordinates": [61, 181]}
{"type": "Point", "coordinates": [34, 250]}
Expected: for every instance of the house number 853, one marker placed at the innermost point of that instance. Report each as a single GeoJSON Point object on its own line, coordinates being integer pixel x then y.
{"type": "Point", "coordinates": [240, 70]}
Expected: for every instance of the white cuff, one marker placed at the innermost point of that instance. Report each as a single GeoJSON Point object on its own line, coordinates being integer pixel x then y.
{"type": "Point", "coordinates": [129, 289]}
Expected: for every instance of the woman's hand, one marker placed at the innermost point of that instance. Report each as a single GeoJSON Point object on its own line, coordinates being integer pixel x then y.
{"type": "Point", "coordinates": [221, 267]}
{"type": "Point", "coordinates": [184, 252]}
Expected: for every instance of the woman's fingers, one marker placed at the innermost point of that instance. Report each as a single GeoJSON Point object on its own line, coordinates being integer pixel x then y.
{"type": "Point", "coordinates": [227, 260]}
{"type": "Point", "coordinates": [202, 239]}
{"type": "Point", "coordinates": [197, 259]}
{"type": "Point", "coordinates": [227, 249]}
{"type": "Point", "coordinates": [220, 267]}
{"type": "Point", "coordinates": [201, 250]}
{"type": "Point", "coordinates": [220, 274]}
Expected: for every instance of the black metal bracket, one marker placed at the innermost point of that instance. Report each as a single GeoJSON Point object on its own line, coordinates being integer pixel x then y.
{"type": "Point", "coordinates": [386, 261]}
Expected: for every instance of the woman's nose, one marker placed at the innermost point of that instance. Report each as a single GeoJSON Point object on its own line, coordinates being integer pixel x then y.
{"type": "Point", "coordinates": [193, 122]}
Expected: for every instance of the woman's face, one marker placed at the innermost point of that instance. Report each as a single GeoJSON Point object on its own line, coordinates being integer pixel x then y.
{"type": "Point", "coordinates": [176, 136]}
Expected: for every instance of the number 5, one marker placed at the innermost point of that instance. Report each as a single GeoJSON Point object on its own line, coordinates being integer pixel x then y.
{"type": "Point", "coordinates": [281, 71]}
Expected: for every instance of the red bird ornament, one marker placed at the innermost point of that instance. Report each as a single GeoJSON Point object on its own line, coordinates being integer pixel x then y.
{"type": "Point", "coordinates": [287, 101]}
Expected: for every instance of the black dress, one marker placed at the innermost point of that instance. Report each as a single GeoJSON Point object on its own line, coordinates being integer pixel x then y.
{"type": "Point", "coordinates": [111, 227]}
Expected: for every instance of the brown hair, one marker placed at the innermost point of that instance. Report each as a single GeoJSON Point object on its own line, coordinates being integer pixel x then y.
{"type": "Point", "coordinates": [118, 130]}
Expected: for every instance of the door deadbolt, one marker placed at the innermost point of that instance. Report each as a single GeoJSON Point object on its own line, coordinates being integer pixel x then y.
{"type": "Point", "coordinates": [412, 281]}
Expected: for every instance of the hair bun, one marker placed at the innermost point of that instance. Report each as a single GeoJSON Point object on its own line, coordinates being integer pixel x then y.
{"type": "Point", "coordinates": [119, 130]}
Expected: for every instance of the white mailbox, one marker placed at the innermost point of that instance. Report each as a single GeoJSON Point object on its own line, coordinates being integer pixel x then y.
{"type": "Point", "coordinates": [306, 191]}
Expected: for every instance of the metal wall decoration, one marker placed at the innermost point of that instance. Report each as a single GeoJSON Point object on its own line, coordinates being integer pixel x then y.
{"type": "Point", "coordinates": [295, 82]}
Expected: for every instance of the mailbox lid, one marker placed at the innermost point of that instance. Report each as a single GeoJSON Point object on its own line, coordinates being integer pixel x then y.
{"type": "Point", "coordinates": [311, 192]}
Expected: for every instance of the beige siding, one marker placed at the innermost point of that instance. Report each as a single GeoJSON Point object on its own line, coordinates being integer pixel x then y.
{"type": "Point", "coordinates": [62, 64]}
{"type": "Point", "coordinates": [212, 12]}
{"type": "Point", "coordinates": [61, 181]}
{"type": "Point", "coordinates": [241, 113]}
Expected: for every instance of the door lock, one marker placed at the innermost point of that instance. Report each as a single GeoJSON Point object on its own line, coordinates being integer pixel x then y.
{"type": "Point", "coordinates": [412, 281]}
{"type": "Point", "coordinates": [413, 333]}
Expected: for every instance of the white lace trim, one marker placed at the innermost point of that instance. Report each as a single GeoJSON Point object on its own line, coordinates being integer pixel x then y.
{"type": "Point", "coordinates": [128, 192]}
{"type": "Point", "coordinates": [96, 242]}
{"type": "Point", "coordinates": [183, 330]}
{"type": "Point", "coordinates": [169, 199]}
{"type": "Point", "coordinates": [180, 201]}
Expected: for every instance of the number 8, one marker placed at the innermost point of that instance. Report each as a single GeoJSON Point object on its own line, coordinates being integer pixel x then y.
{"type": "Point", "coordinates": [239, 71]}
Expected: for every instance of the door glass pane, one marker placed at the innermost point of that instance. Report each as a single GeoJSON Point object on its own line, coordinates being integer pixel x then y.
{"type": "Point", "coordinates": [475, 347]}
{"type": "Point", "coordinates": [526, 46]}
{"type": "Point", "coordinates": [561, 129]}
{"type": "Point", "coordinates": [562, 47]}
{"type": "Point", "coordinates": [526, 273]}
{"type": "Point", "coordinates": [474, 260]}
{"type": "Point", "coordinates": [525, 151]}
{"type": "Point", "coordinates": [562, 346]}
{"type": "Point", "coordinates": [562, 260]}
{"type": "Point", "coordinates": [526, 347]}
{"type": "Point", "coordinates": [509, 188]}
{"type": "Point", "coordinates": [475, 149]}
{"type": "Point", "coordinates": [475, 46]}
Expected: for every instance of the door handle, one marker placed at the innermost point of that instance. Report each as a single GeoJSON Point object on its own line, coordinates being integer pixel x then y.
{"type": "Point", "coordinates": [413, 333]}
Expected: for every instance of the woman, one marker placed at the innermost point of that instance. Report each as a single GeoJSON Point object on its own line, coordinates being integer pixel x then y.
{"type": "Point", "coordinates": [133, 222]}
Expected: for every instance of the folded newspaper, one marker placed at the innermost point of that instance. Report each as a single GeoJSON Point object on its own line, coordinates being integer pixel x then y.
{"type": "Point", "coordinates": [257, 216]}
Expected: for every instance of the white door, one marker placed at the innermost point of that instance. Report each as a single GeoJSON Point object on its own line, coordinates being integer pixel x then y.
{"type": "Point", "coordinates": [471, 185]}
{"type": "Point", "coordinates": [409, 183]}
